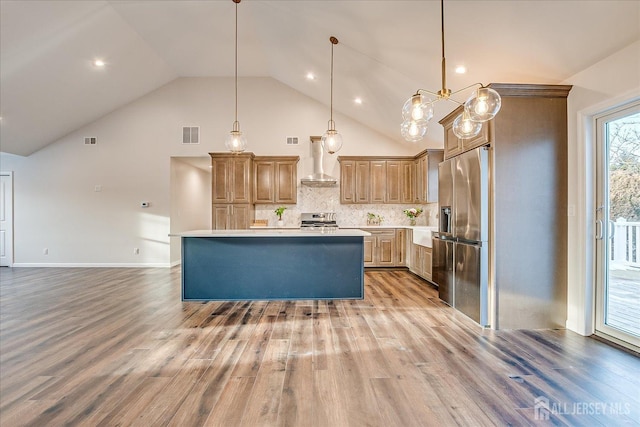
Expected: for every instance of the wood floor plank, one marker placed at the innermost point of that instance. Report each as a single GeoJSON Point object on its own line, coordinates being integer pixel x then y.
{"type": "Point", "coordinates": [132, 409]}
{"type": "Point", "coordinates": [296, 405]}
{"type": "Point", "coordinates": [117, 346]}
{"type": "Point", "coordinates": [326, 395]}
{"type": "Point", "coordinates": [354, 387]}
{"type": "Point", "coordinates": [267, 389]}
{"type": "Point", "coordinates": [198, 404]}
{"type": "Point", "coordinates": [229, 409]}
{"type": "Point", "coordinates": [251, 358]}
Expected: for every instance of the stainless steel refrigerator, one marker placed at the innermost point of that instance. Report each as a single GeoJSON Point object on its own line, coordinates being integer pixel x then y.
{"type": "Point", "coordinates": [461, 245]}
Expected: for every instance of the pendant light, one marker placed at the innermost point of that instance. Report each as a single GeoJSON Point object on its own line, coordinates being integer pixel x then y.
{"type": "Point", "coordinates": [331, 140]}
{"type": "Point", "coordinates": [483, 105]}
{"type": "Point", "coordinates": [236, 141]}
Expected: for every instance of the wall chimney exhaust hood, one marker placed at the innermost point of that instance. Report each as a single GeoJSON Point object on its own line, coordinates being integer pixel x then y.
{"type": "Point", "coordinates": [318, 178]}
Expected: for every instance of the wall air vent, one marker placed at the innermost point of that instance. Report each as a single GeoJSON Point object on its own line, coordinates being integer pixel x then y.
{"type": "Point", "coordinates": [90, 140]}
{"type": "Point", "coordinates": [292, 140]}
{"type": "Point", "coordinates": [191, 135]}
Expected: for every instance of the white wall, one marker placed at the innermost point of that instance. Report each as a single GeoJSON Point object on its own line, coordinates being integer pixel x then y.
{"type": "Point", "coordinates": [611, 82]}
{"type": "Point", "coordinates": [57, 208]}
{"type": "Point", "coordinates": [190, 200]}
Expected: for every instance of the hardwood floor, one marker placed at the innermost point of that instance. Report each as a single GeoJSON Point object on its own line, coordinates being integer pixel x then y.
{"type": "Point", "coordinates": [106, 347]}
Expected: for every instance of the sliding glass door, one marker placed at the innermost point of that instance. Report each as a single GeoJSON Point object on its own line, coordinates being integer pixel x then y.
{"type": "Point", "coordinates": [618, 225]}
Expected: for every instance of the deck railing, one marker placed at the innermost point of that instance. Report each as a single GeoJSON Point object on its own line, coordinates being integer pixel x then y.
{"type": "Point", "coordinates": [626, 243]}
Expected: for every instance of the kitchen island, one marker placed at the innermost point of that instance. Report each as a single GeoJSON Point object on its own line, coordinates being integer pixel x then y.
{"type": "Point", "coordinates": [272, 264]}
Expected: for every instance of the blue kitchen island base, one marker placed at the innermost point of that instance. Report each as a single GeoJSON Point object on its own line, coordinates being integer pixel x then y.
{"type": "Point", "coordinates": [283, 267]}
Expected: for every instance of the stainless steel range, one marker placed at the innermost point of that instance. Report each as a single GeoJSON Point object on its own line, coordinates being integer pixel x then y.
{"type": "Point", "coordinates": [318, 220]}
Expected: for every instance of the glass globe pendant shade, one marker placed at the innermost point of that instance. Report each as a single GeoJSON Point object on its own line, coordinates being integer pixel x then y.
{"type": "Point", "coordinates": [464, 127]}
{"type": "Point", "coordinates": [331, 141]}
{"type": "Point", "coordinates": [483, 105]}
{"type": "Point", "coordinates": [235, 142]}
{"type": "Point", "coordinates": [413, 130]}
{"type": "Point", "coordinates": [416, 108]}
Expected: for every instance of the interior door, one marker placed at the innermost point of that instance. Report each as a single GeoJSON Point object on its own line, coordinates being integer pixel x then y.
{"type": "Point", "coordinates": [617, 310]}
{"type": "Point", "coordinates": [6, 219]}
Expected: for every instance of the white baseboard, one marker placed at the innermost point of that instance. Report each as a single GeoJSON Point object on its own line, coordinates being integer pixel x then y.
{"type": "Point", "coordinates": [92, 265]}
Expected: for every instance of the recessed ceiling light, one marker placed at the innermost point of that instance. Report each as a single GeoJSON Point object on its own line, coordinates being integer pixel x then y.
{"type": "Point", "coordinates": [311, 76]}
{"type": "Point", "coordinates": [461, 69]}
{"type": "Point", "coordinates": [358, 101]}
{"type": "Point", "coordinates": [99, 63]}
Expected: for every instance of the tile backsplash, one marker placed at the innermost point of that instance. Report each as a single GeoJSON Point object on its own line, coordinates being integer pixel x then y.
{"type": "Point", "coordinates": [327, 199]}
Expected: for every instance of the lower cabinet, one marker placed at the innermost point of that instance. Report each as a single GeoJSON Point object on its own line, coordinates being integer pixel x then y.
{"type": "Point", "coordinates": [232, 216]}
{"type": "Point", "coordinates": [421, 261]}
{"type": "Point", "coordinates": [385, 248]}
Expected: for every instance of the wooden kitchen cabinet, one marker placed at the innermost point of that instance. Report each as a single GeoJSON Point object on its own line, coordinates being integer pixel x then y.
{"type": "Point", "coordinates": [421, 261]}
{"type": "Point", "coordinates": [275, 180]}
{"type": "Point", "coordinates": [380, 248]}
{"type": "Point", "coordinates": [426, 175]}
{"type": "Point", "coordinates": [378, 181]}
{"type": "Point", "coordinates": [454, 145]}
{"type": "Point", "coordinates": [385, 248]}
{"type": "Point", "coordinates": [528, 152]}
{"type": "Point", "coordinates": [400, 181]}
{"type": "Point", "coordinates": [231, 177]}
{"type": "Point", "coordinates": [389, 179]}
{"type": "Point", "coordinates": [232, 216]}
{"type": "Point", "coordinates": [354, 181]}
{"type": "Point", "coordinates": [407, 186]}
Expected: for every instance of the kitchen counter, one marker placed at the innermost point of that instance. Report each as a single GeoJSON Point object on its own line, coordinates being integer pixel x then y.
{"type": "Point", "coordinates": [274, 232]}
{"type": "Point", "coordinates": [272, 264]}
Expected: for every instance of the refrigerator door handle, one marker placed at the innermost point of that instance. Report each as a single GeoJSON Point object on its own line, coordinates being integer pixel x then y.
{"type": "Point", "coordinates": [469, 242]}
{"type": "Point", "coordinates": [444, 237]}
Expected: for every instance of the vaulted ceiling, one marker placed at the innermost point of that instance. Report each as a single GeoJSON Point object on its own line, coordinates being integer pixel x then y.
{"type": "Point", "coordinates": [387, 50]}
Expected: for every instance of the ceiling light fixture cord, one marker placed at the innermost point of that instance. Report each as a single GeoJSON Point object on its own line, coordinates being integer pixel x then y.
{"type": "Point", "coordinates": [444, 67]}
{"type": "Point", "coordinates": [331, 92]}
{"type": "Point", "coordinates": [236, 69]}
{"type": "Point", "coordinates": [235, 141]}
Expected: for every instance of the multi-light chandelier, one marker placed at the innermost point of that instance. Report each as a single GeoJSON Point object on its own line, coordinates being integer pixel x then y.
{"type": "Point", "coordinates": [236, 142]}
{"type": "Point", "coordinates": [481, 106]}
{"type": "Point", "coordinates": [331, 139]}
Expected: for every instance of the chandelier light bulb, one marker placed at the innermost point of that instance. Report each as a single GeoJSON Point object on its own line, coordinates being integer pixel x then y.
{"type": "Point", "coordinates": [464, 127]}
{"type": "Point", "coordinates": [413, 130]}
{"type": "Point", "coordinates": [416, 111]}
{"type": "Point", "coordinates": [483, 105]}
{"type": "Point", "coordinates": [235, 142]}
{"type": "Point", "coordinates": [417, 108]}
{"type": "Point", "coordinates": [331, 141]}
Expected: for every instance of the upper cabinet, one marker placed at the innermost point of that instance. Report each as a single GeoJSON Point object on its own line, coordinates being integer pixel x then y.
{"type": "Point", "coordinates": [426, 175]}
{"type": "Point", "coordinates": [378, 181]}
{"type": "Point", "coordinates": [354, 180]}
{"type": "Point", "coordinates": [275, 179]}
{"type": "Point", "coordinates": [454, 145]}
{"type": "Point", "coordinates": [231, 177]}
{"type": "Point", "coordinates": [400, 182]}
{"type": "Point", "coordinates": [240, 180]}
{"type": "Point", "coordinates": [390, 179]}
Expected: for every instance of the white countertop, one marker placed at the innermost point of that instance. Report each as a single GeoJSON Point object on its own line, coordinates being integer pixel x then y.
{"type": "Point", "coordinates": [274, 232]}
